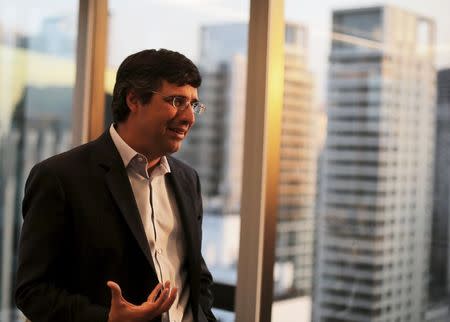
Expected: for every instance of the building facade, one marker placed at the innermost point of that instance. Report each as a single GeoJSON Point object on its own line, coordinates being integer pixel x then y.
{"type": "Point", "coordinates": [374, 216]}
{"type": "Point", "coordinates": [439, 266]}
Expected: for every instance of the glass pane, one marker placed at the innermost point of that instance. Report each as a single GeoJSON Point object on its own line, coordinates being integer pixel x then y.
{"type": "Point", "coordinates": [37, 76]}
{"type": "Point", "coordinates": [214, 37]}
{"type": "Point", "coordinates": [375, 246]}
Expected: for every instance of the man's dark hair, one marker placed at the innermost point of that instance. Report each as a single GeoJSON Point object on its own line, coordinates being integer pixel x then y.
{"type": "Point", "coordinates": [144, 71]}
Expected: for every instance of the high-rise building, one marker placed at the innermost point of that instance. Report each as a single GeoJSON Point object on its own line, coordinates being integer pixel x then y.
{"type": "Point", "coordinates": [298, 169]}
{"type": "Point", "coordinates": [439, 265]}
{"type": "Point", "coordinates": [215, 147]}
{"type": "Point", "coordinates": [204, 147]}
{"type": "Point", "coordinates": [375, 202]}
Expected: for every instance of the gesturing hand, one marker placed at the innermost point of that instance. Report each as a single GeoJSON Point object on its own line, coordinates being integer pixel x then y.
{"type": "Point", "coordinates": [124, 311]}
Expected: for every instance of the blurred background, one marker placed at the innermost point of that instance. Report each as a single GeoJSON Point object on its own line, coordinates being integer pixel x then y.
{"type": "Point", "coordinates": [363, 199]}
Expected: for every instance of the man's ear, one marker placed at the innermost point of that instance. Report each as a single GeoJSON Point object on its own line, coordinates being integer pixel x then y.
{"type": "Point", "coordinates": [132, 101]}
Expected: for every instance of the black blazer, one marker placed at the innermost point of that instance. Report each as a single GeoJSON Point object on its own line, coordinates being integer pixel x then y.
{"type": "Point", "coordinates": [82, 228]}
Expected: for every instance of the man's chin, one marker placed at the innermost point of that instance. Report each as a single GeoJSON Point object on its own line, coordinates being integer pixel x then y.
{"type": "Point", "coordinates": [173, 148]}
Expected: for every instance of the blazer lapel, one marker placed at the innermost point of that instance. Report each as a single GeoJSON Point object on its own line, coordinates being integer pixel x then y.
{"type": "Point", "coordinates": [119, 185]}
{"type": "Point", "coordinates": [186, 199]}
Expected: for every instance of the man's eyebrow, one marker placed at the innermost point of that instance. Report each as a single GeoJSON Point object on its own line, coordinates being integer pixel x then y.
{"type": "Point", "coordinates": [176, 95]}
{"type": "Point", "coordinates": [195, 99]}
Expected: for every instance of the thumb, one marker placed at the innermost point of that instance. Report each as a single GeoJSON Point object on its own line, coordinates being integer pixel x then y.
{"type": "Point", "coordinates": [116, 292]}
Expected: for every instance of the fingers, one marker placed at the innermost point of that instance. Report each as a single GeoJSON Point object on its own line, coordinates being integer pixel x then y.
{"type": "Point", "coordinates": [159, 301]}
{"type": "Point", "coordinates": [165, 306]}
{"type": "Point", "coordinates": [167, 297]}
{"type": "Point", "coordinates": [162, 296]}
{"type": "Point", "coordinates": [156, 291]}
{"type": "Point", "coordinates": [116, 292]}
{"type": "Point", "coordinates": [167, 284]}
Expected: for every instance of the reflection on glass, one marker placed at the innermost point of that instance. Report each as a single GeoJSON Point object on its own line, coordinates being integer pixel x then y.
{"type": "Point", "coordinates": [37, 75]}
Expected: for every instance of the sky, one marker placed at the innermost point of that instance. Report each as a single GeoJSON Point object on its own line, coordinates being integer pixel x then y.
{"type": "Point", "coordinates": [175, 24]}
{"type": "Point", "coordinates": [317, 16]}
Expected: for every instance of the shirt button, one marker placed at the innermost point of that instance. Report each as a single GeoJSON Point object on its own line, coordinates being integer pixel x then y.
{"type": "Point", "coordinates": [159, 251]}
{"type": "Point", "coordinates": [140, 159]}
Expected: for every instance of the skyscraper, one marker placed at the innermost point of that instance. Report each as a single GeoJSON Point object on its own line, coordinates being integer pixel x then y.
{"type": "Point", "coordinates": [439, 265]}
{"type": "Point", "coordinates": [298, 168]}
{"type": "Point", "coordinates": [216, 145]}
{"type": "Point", "coordinates": [375, 207]}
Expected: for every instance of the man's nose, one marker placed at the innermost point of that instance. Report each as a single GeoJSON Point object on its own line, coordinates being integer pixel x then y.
{"type": "Point", "coordinates": [187, 114]}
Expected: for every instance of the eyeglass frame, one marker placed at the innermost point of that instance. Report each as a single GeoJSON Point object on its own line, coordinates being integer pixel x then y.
{"type": "Point", "coordinates": [198, 107]}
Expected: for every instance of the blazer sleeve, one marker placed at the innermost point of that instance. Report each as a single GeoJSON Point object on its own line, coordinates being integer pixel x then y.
{"type": "Point", "coordinates": [42, 245]}
{"type": "Point", "coordinates": [206, 297]}
{"type": "Point", "coordinates": [206, 280]}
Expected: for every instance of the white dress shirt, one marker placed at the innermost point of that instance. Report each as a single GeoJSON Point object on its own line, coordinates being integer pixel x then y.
{"type": "Point", "coordinates": [160, 218]}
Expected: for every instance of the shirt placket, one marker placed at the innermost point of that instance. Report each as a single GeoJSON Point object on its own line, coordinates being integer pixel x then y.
{"type": "Point", "coordinates": [157, 250]}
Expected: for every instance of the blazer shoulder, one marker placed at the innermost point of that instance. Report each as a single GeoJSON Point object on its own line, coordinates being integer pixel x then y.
{"type": "Point", "coordinates": [71, 156]}
{"type": "Point", "coordinates": [71, 160]}
{"type": "Point", "coordinates": [181, 166]}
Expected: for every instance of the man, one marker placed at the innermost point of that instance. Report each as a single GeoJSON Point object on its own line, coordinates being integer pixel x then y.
{"type": "Point", "coordinates": [112, 229]}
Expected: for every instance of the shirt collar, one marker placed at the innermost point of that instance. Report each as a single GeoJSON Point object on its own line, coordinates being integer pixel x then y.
{"type": "Point", "coordinates": [127, 153]}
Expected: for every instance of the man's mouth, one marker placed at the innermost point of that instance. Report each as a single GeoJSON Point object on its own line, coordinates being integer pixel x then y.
{"type": "Point", "coordinates": [178, 132]}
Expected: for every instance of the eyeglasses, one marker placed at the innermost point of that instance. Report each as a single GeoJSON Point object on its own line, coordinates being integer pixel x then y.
{"type": "Point", "coordinates": [182, 102]}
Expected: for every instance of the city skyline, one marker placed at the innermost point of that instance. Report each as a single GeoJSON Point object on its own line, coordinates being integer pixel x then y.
{"type": "Point", "coordinates": [215, 79]}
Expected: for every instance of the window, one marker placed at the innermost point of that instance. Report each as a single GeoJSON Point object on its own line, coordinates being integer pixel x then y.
{"type": "Point", "coordinates": [37, 64]}
{"type": "Point", "coordinates": [367, 94]}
